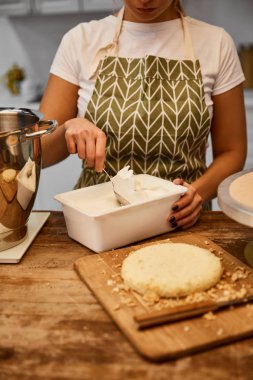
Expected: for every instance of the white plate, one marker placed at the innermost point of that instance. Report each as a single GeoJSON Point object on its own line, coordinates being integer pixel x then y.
{"type": "Point", "coordinates": [14, 255]}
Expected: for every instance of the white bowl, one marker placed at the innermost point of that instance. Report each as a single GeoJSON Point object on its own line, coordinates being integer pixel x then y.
{"type": "Point", "coordinates": [95, 219]}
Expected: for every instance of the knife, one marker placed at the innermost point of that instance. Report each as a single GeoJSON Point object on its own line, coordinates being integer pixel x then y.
{"type": "Point", "coordinates": [159, 317]}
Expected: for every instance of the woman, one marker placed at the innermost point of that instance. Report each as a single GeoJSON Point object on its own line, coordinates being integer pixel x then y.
{"type": "Point", "coordinates": [145, 87]}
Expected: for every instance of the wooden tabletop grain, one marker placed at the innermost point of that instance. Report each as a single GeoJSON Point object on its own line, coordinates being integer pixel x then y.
{"type": "Point", "coordinates": [52, 327]}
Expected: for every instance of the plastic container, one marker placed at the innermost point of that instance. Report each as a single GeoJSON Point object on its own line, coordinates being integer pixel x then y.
{"type": "Point", "coordinates": [95, 219]}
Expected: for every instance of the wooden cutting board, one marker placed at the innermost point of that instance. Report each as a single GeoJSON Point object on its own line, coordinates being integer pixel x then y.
{"type": "Point", "coordinates": [101, 272]}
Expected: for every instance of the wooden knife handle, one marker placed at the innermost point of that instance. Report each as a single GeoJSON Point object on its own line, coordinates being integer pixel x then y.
{"type": "Point", "coordinates": [173, 314]}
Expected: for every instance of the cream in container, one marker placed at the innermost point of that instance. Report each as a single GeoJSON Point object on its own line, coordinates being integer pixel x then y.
{"type": "Point", "coordinates": [95, 219]}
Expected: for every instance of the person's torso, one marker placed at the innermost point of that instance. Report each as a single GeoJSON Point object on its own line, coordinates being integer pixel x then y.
{"type": "Point", "coordinates": [138, 40]}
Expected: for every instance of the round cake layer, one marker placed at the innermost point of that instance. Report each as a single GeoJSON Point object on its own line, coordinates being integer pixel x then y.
{"type": "Point", "coordinates": [171, 269]}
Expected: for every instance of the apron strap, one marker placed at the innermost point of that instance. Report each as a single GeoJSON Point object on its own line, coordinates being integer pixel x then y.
{"type": "Point", "coordinates": [112, 48]}
{"type": "Point", "coordinates": [188, 47]}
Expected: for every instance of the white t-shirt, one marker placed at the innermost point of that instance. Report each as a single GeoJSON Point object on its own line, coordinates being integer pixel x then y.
{"type": "Point", "coordinates": [213, 47]}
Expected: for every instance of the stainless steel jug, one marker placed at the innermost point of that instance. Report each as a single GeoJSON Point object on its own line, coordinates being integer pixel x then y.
{"type": "Point", "coordinates": [20, 166]}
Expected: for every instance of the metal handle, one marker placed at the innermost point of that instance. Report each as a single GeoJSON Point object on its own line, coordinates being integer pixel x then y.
{"type": "Point", "coordinates": [52, 124]}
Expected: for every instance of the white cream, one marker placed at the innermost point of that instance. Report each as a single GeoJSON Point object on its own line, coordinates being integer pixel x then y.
{"type": "Point", "coordinates": [142, 188]}
{"type": "Point", "coordinates": [102, 205]}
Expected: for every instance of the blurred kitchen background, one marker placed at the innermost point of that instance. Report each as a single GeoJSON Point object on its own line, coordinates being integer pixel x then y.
{"type": "Point", "coordinates": [31, 30]}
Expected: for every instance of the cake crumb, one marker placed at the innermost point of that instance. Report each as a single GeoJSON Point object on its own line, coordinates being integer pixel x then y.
{"type": "Point", "coordinates": [220, 331]}
{"type": "Point", "coordinates": [116, 307]}
{"type": "Point", "coordinates": [151, 298]}
{"type": "Point", "coordinates": [115, 275]}
{"type": "Point", "coordinates": [240, 273]}
{"type": "Point", "coordinates": [209, 316]}
{"type": "Point", "coordinates": [110, 282]}
{"type": "Point", "coordinates": [129, 302]}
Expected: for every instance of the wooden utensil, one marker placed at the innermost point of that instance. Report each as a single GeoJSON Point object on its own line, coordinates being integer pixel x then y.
{"type": "Point", "coordinates": [159, 317]}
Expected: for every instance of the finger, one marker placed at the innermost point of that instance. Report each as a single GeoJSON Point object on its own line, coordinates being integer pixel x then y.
{"type": "Point", "coordinates": [177, 220]}
{"type": "Point", "coordinates": [190, 209]}
{"type": "Point", "coordinates": [71, 144]}
{"type": "Point", "coordinates": [183, 202]}
{"type": "Point", "coordinates": [100, 152]}
{"type": "Point", "coordinates": [90, 152]}
{"type": "Point", "coordinates": [190, 223]}
{"type": "Point", "coordinates": [189, 220]}
{"type": "Point", "coordinates": [186, 198]}
{"type": "Point", "coordinates": [176, 205]}
{"type": "Point", "coordinates": [178, 181]}
{"type": "Point", "coordinates": [81, 148]}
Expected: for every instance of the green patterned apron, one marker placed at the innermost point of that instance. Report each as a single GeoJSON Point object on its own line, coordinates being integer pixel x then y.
{"type": "Point", "coordinates": [153, 113]}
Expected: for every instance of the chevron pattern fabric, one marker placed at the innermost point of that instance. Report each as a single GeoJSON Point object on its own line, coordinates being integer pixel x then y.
{"type": "Point", "coordinates": [154, 115]}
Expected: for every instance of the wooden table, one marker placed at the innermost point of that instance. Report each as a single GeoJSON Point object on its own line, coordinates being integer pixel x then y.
{"type": "Point", "coordinates": [52, 327]}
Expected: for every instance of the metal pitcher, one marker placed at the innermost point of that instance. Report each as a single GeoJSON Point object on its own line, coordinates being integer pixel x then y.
{"type": "Point", "coordinates": [20, 166]}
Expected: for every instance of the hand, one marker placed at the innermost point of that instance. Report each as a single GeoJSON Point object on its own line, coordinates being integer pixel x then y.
{"type": "Point", "coordinates": [186, 211]}
{"type": "Point", "coordinates": [87, 140]}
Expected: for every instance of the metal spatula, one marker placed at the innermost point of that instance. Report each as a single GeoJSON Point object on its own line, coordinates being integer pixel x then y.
{"type": "Point", "coordinates": [122, 201]}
